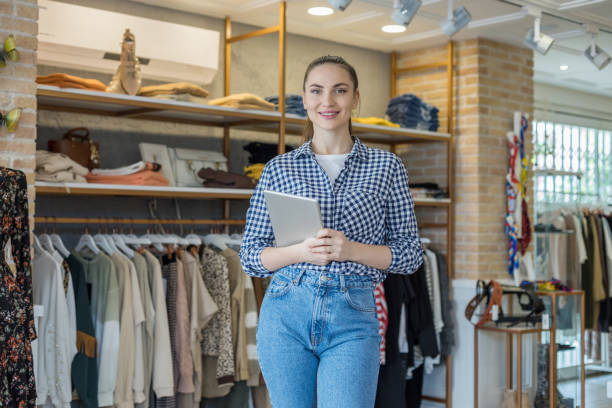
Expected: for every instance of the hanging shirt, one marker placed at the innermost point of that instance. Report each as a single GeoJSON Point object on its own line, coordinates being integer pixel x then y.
{"type": "Point", "coordinates": [332, 164]}
{"type": "Point", "coordinates": [370, 203]}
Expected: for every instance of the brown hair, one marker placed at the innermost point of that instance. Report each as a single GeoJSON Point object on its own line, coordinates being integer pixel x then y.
{"type": "Point", "coordinates": [328, 59]}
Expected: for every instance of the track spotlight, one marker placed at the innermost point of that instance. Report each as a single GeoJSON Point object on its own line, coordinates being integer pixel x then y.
{"type": "Point", "coordinates": [405, 10]}
{"type": "Point", "coordinates": [340, 4]}
{"type": "Point", "coordinates": [537, 40]}
{"type": "Point", "coordinates": [457, 19]}
{"type": "Point", "coordinates": [596, 55]}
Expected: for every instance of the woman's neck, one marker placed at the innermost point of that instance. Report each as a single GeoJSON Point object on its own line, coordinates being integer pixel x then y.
{"type": "Point", "coordinates": [331, 142]}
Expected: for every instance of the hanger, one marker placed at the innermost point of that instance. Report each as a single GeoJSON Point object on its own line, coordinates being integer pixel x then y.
{"type": "Point", "coordinates": [59, 245]}
{"type": "Point", "coordinates": [215, 240]}
{"type": "Point", "coordinates": [101, 241]}
{"type": "Point", "coordinates": [37, 246]}
{"type": "Point", "coordinates": [45, 242]}
{"type": "Point", "coordinates": [87, 241]}
{"type": "Point", "coordinates": [121, 245]}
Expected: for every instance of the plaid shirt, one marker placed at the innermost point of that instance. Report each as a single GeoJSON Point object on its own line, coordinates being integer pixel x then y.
{"type": "Point", "coordinates": [369, 202]}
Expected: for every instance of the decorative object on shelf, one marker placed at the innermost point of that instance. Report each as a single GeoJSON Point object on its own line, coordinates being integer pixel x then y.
{"type": "Point", "coordinates": [186, 163]}
{"type": "Point", "coordinates": [127, 79]}
{"type": "Point", "coordinates": [517, 224]}
{"type": "Point", "coordinates": [11, 119]}
{"type": "Point", "coordinates": [492, 292]}
{"type": "Point", "coordinates": [9, 51]}
{"type": "Point", "coordinates": [77, 145]}
{"type": "Point", "coordinates": [551, 285]}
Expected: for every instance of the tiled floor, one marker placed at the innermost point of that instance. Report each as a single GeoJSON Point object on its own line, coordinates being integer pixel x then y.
{"type": "Point", "coordinates": [595, 391]}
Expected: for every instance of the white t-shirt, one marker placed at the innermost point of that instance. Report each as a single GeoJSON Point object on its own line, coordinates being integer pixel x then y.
{"type": "Point", "coordinates": [332, 164]}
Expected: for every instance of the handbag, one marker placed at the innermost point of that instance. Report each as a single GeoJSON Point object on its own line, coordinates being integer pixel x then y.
{"type": "Point", "coordinates": [77, 145]}
{"type": "Point", "coordinates": [158, 153]}
{"type": "Point", "coordinates": [186, 163]}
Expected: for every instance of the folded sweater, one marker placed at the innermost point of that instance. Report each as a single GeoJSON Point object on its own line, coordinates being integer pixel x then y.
{"type": "Point", "coordinates": [243, 101]}
{"type": "Point", "coordinates": [174, 88]}
{"type": "Point", "coordinates": [372, 120]}
{"type": "Point", "coordinates": [71, 81]}
{"type": "Point", "coordinates": [50, 163]}
{"type": "Point", "coordinates": [142, 178]}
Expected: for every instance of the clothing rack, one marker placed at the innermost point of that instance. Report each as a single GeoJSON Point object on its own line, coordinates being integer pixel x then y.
{"type": "Point", "coordinates": [148, 221]}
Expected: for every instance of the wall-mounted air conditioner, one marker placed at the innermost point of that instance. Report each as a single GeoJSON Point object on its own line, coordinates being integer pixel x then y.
{"type": "Point", "coordinates": [85, 38]}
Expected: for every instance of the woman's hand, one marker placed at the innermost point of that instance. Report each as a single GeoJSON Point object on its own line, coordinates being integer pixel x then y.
{"type": "Point", "coordinates": [330, 245]}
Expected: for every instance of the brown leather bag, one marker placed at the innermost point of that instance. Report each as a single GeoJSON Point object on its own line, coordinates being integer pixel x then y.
{"type": "Point", "coordinates": [77, 145]}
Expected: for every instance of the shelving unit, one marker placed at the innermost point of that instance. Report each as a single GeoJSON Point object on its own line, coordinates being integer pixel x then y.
{"type": "Point", "coordinates": [449, 139]}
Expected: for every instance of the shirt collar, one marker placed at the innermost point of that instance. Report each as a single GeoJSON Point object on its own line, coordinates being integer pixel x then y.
{"type": "Point", "coordinates": [359, 150]}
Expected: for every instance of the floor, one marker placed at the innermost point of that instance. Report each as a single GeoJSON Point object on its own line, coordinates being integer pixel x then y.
{"type": "Point", "coordinates": [595, 391]}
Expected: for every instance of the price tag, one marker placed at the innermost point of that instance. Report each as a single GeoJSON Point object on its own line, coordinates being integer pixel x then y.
{"type": "Point", "coordinates": [545, 321]}
{"type": "Point", "coordinates": [495, 313]}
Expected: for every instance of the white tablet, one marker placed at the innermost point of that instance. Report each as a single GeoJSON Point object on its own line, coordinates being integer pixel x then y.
{"type": "Point", "coordinates": [294, 218]}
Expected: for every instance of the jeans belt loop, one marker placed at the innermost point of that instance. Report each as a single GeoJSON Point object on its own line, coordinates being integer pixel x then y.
{"type": "Point", "coordinates": [342, 283]}
{"type": "Point", "coordinates": [296, 280]}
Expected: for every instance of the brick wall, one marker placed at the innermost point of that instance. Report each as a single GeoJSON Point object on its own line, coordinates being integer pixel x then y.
{"type": "Point", "coordinates": [492, 80]}
{"type": "Point", "coordinates": [18, 89]}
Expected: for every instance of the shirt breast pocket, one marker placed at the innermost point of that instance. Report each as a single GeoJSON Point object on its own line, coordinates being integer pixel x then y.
{"type": "Point", "coordinates": [363, 215]}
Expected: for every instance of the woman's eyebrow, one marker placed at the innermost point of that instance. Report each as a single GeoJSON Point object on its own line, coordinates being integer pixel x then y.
{"type": "Point", "coordinates": [321, 86]}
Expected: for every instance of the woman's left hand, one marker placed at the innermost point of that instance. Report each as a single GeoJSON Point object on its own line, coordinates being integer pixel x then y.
{"type": "Point", "coordinates": [333, 244]}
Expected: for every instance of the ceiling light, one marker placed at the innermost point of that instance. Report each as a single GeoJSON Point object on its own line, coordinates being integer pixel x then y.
{"type": "Point", "coordinates": [457, 19]}
{"type": "Point", "coordinates": [394, 28]}
{"type": "Point", "coordinates": [564, 67]}
{"type": "Point", "coordinates": [537, 40]}
{"type": "Point", "coordinates": [340, 4]}
{"type": "Point", "coordinates": [596, 55]}
{"type": "Point", "coordinates": [320, 11]}
{"type": "Point", "coordinates": [405, 10]}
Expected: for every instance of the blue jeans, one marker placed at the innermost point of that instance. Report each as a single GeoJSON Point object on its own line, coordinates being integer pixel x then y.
{"type": "Point", "coordinates": [317, 340]}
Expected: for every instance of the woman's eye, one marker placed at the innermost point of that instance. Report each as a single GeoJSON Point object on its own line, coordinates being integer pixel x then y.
{"type": "Point", "coordinates": [315, 91]}
{"type": "Point", "coordinates": [341, 91]}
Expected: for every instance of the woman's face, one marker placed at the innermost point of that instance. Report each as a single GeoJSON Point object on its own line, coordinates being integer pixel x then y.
{"type": "Point", "coordinates": [329, 97]}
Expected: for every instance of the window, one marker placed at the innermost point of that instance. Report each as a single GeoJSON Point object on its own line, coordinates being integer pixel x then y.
{"type": "Point", "coordinates": [573, 164]}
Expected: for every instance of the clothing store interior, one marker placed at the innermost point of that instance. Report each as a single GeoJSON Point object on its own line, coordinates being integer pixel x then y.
{"type": "Point", "coordinates": [133, 135]}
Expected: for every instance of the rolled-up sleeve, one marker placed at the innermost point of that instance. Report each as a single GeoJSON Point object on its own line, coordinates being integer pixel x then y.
{"type": "Point", "coordinates": [402, 233]}
{"type": "Point", "coordinates": [258, 233]}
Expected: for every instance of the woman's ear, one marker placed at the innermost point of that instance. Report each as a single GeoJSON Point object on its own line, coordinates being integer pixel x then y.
{"type": "Point", "coordinates": [356, 99]}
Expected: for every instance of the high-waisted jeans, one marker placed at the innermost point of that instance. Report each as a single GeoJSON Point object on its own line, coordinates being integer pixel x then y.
{"type": "Point", "coordinates": [317, 340]}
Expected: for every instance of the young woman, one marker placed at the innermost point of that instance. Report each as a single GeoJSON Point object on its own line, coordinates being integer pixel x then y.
{"type": "Point", "coordinates": [317, 337]}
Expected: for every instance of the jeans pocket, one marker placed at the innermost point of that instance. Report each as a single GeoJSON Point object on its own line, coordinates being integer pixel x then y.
{"type": "Point", "coordinates": [361, 299]}
{"type": "Point", "coordinates": [278, 287]}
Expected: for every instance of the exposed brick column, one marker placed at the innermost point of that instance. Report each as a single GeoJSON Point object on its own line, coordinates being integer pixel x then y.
{"type": "Point", "coordinates": [18, 88]}
{"type": "Point", "coordinates": [492, 80]}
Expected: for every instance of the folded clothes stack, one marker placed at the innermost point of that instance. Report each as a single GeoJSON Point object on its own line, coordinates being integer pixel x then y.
{"type": "Point", "coordinates": [409, 111]}
{"type": "Point", "coordinates": [243, 101]}
{"type": "Point", "coordinates": [224, 179]}
{"type": "Point", "coordinates": [176, 91]}
{"type": "Point", "coordinates": [372, 120]}
{"type": "Point", "coordinates": [253, 171]}
{"type": "Point", "coordinates": [137, 174]}
{"type": "Point", "coordinates": [263, 152]}
{"type": "Point", "coordinates": [57, 167]}
{"type": "Point", "coordinates": [71, 81]}
{"type": "Point", "coordinates": [427, 190]}
{"type": "Point", "coordinates": [293, 104]}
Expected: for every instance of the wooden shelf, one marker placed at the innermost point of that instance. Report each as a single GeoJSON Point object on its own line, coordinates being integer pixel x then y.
{"type": "Point", "coordinates": [91, 189]}
{"type": "Point", "coordinates": [138, 107]}
{"type": "Point", "coordinates": [85, 189]}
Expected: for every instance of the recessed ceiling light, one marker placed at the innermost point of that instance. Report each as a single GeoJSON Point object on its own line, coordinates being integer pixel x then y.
{"type": "Point", "coordinates": [393, 28]}
{"type": "Point", "coordinates": [564, 67]}
{"type": "Point", "coordinates": [320, 11]}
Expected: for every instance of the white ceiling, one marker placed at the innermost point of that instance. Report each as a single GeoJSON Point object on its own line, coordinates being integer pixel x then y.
{"type": "Point", "coordinates": [501, 20]}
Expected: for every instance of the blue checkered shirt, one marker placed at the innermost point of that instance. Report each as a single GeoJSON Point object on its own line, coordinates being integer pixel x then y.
{"type": "Point", "coordinates": [369, 202]}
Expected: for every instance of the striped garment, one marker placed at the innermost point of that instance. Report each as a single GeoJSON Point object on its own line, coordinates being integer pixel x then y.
{"type": "Point", "coordinates": [382, 314]}
{"type": "Point", "coordinates": [169, 274]}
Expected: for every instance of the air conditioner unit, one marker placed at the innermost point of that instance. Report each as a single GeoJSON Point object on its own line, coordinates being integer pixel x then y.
{"type": "Point", "coordinates": [85, 38]}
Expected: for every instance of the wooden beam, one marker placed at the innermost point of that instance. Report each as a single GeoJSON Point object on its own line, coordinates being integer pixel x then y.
{"type": "Point", "coordinates": [254, 34]}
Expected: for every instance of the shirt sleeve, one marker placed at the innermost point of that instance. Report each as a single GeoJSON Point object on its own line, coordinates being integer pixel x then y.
{"type": "Point", "coordinates": [402, 234]}
{"type": "Point", "coordinates": [258, 233]}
